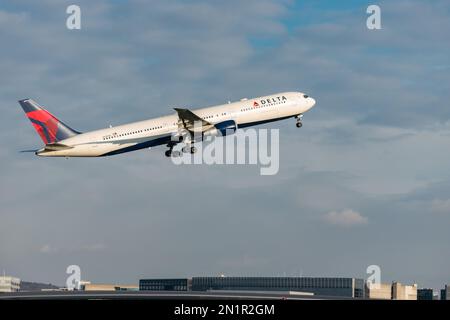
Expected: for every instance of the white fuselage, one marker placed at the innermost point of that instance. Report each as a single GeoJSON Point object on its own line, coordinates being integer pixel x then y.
{"type": "Point", "coordinates": [143, 134]}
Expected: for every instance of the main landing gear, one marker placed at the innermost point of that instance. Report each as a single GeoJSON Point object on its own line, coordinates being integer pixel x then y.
{"type": "Point", "coordinates": [170, 153]}
{"type": "Point", "coordinates": [299, 119]}
{"type": "Point", "coordinates": [185, 149]}
{"type": "Point", "coordinates": [189, 149]}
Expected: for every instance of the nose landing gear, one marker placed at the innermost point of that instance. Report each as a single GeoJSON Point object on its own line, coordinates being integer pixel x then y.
{"type": "Point", "coordinates": [299, 119]}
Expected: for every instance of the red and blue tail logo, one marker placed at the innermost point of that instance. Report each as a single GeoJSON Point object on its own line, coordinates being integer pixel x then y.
{"type": "Point", "coordinates": [49, 128]}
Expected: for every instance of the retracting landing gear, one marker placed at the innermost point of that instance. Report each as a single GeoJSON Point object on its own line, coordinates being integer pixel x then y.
{"type": "Point", "coordinates": [186, 149]}
{"type": "Point", "coordinates": [170, 153]}
{"type": "Point", "coordinates": [189, 149]}
{"type": "Point", "coordinates": [299, 119]}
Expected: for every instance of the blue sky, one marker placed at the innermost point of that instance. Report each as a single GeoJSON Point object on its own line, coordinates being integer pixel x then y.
{"type": "Point", "coordinates": [365, 181]}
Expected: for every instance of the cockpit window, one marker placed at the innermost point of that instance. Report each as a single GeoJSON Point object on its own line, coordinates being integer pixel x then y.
{"type": "Point", "coordinates": [305, 96]}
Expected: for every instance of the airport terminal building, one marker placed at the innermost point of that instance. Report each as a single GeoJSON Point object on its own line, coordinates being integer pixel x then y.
{"type": "Point", "coordinates": [164, 284]}
{"type": "Point", "coordinates": [9, 284]}
{"type": "Point", "coordinates": [334, 287]}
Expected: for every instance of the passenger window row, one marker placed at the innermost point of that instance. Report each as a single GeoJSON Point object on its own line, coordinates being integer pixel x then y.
{"type": "Point", "coordinates": [131, 133]}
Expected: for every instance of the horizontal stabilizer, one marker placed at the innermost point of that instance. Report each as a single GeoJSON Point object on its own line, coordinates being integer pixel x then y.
{"type": "Point", "coordinates": [26, 151]}
{"type": "Point", "coordinates": [56, 147]}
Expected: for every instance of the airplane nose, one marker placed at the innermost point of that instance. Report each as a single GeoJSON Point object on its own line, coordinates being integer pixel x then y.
{"type": "Point", "coordinates": [312, 102]}
{"type": "Point", "coordinates": [307, 101]}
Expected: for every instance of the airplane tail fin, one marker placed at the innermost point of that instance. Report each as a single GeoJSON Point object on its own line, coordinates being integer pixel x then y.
{"type": "Point", "coordinates": [49, 128]}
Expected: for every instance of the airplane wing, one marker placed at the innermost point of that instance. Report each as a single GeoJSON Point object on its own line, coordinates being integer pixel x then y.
{"type": "Point", "coordinates": [189, 119]}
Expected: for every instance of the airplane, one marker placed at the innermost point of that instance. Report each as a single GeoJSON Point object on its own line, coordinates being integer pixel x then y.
{"type": "Point", "coordinates": [185, 126]}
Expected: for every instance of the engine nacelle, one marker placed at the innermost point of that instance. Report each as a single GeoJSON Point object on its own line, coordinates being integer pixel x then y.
{"type": "Point", "coordinates": [222, 129]}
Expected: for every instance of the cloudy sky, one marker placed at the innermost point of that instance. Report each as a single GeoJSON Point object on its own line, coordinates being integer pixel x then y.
{"type": "Point", "coordinates": [365, 181]}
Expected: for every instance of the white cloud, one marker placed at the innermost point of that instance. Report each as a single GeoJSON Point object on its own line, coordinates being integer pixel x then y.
{"type": "Point", "coordinates": [95, 247]}
{"type": "Point", "coordinates": [345, 218]}
{"type": "Point", "coordinates": [440, 206]}
{"type": "Point", "coordinates": [47, 249]}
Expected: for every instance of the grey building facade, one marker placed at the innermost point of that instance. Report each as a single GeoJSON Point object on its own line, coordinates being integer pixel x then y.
{"type": "Point", "coordinates": [338, 287]}
{"type": "Point", "coordinates": [164, 284]}
{"type": "Point", "coordinates": [334, 287]}
{"type": "Point", "coordinates": [425, 294]}
{"type": "Point", "coordinates": [445, 293]}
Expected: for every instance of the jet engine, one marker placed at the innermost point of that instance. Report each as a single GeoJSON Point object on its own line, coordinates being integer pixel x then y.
{"type": "Point", "coordinates": [223, 128]}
